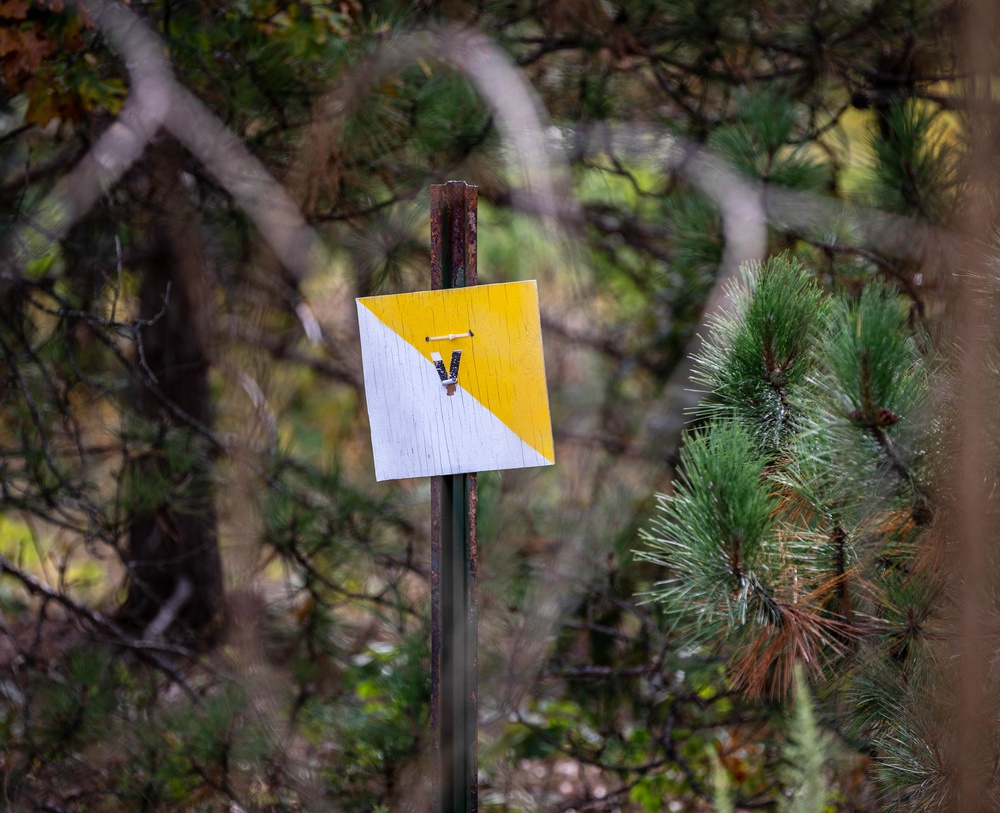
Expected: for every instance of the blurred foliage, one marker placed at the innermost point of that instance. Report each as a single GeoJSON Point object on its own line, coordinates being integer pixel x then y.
{"type": "Point", "coordinates": [163, 379]}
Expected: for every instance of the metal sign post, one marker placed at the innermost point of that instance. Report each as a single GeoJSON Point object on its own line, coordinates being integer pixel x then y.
{"type": "Point", "coordinates": [454, 555]}
{"type": "Point", "coordinates": [455, 384]}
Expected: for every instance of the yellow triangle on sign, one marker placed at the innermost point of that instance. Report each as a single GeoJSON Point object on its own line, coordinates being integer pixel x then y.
{"type": "Point", "coordinates": [501, 365]}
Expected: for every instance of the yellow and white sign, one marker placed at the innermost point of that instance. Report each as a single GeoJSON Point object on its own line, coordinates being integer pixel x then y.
{"type": "Point", "coordinates": [455, 381]}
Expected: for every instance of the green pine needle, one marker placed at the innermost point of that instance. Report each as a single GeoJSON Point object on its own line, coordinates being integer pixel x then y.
{"type": "Point", "coordinates": [712, 531]}
{"type": "Point", "coordinates": [764, 350]}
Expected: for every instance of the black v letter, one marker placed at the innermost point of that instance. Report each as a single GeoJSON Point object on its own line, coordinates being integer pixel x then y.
{"type": "Point", "coordinates": [448, 377]}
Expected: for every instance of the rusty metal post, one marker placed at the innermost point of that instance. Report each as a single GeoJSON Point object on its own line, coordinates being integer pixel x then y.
{"type": "Point", "coordinates": [454, 555]}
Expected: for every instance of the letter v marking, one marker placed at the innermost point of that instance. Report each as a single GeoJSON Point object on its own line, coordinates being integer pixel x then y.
{"type": "Point", "coordinates": [448, 377]}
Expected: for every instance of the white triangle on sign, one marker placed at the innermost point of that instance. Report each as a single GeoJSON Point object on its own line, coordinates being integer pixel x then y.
{"type": "Point", "coordinates": [418, 430]}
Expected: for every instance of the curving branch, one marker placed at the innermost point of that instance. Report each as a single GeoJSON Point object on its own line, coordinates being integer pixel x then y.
{"type": "Point", "coordinates": [158, 101]}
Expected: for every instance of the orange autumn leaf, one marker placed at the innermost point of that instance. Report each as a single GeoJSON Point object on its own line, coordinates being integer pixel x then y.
{"type": "Point", "coordinates": [22, 53]}
{"type": "Point", "coordinates": [14, 9]}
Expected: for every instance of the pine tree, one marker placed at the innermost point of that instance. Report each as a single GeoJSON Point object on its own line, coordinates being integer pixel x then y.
{"type": "Point", "coordinates": [806, 529]}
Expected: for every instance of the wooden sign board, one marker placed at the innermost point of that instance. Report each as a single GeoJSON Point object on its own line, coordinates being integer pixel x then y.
{"type": "Point", "coordinates": [455, 381]}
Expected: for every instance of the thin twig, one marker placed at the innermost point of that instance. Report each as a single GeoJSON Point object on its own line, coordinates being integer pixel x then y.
{"type": "Point", "coordinates": [894, 270]}
{"type": "Point", "coordinates": [146, 650]}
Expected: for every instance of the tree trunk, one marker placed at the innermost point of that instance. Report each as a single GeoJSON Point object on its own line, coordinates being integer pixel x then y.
{"type": "Point", "coordinates": [174, 569]}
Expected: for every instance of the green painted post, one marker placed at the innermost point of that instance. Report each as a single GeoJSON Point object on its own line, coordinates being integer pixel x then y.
{"type": "Point", "coordinates": [454, 554]}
